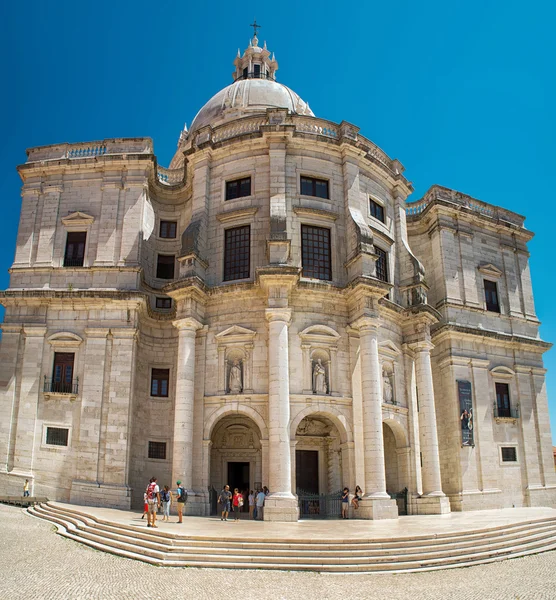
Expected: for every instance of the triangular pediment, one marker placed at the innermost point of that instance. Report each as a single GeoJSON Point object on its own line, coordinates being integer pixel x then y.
{"type": "Point", "coordinates": [389, 348]}
{"type": "Point", "coordinates": [78, 218]}
{"type": "Point", "coordinates": [490, 270]}
{"type": "Point", "coordinates": [235, 333]}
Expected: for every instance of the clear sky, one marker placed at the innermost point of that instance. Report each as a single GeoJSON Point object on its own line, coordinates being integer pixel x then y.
{"type": "Point", "coordinates": [462, 92]}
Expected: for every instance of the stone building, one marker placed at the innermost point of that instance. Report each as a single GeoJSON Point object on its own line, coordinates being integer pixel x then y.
{"type": "Point", "coordinates": [268, 311]}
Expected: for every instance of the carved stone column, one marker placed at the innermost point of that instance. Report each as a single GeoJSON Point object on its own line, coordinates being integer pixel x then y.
{"type": "Point", "coordinates": [182, 459]}
{"type": "Point", "coordinates": [281, 504]}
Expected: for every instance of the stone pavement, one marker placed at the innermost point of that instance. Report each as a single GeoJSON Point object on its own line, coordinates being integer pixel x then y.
{"type": "Point", "coordinates": [38, 564]}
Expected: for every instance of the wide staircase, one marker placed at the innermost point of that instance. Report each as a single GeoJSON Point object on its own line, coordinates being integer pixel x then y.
{"type": "Point", "coordinates": [409, 554]}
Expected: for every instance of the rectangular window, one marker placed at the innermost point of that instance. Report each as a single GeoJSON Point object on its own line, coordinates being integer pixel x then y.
{"type": "Point", "coordinates": [62, 373]}
{"type": "Point", "coordinates": [509, 454]}
{"type": "Point", "coordinates": [257, 71]}
{"type": "Point", "coordinates": [314, 187]}
{"type": "Point", "coordinates": [168, 229]}
{"type": "Point", "coordinates": [163, 302]}
{"type": "Point", "coordinates": [503, 400]}
{"type": "Point", "coordinates": [381, 264]}
{"type": "Point", "coordinates": [377, 210]}
{"type": "Point", "coordinates": [159, 382]}
{"type": "Point", "coordinates": [157, 450]}
{"type": "Point", "coordinates": [57, 436]}
{"type": "Point", "coordinates": [165, 266]}
{"type": "Point", "coordinates": [237, 250]}
{"type": "Point", "coordinates": [239, 188]}
{"type": "Point", "coordinates": [491, 296]}
{"type": "Point", "coordinates": [75, 249]}
{"type": "Point", "coordinates": [316, 252]}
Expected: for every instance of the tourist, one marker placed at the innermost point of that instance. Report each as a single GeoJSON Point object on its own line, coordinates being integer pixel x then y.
{"type": "Point", "coordinates": [153, 500]}
{"type": "Point", "coordinates": [145, 505]}
{"type": "Point", "coordinates": [260, 505]}
{"type": "Point", "coordinates": [182, 499]}
{"type": "Point", "coordinates": [224, 500]}
{"type": "Point", "coordinates": [345, 503]}
{"type": "Point", "coordinates": [26, 489]}
{"type": "Point", "coordinates": [166, 498]}
{"type": "Point", "coordinates": [357, 497]}
{"type": "Point", "coordinates": [251, 500]}
{"type": "Point", "coordinates": [237, 503]}
{"type": "Point", "coordinates": [266, 491]}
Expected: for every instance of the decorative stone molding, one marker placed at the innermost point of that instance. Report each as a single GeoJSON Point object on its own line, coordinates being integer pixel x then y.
{"type": "Point", "coordinates": [235, 344]}
{"type": "Point", "coordinates": [237, 215]}
{"type": "Point", "coordinates": [501, 372]}
{"type": "Point", "coordinates": [77, 221]}
{"type": "Point", "coordinates": [64, 339]}
{"type": "Point", "coordinates": [315, 213]}
{"type": "Point", "coordinates": [489, 270]}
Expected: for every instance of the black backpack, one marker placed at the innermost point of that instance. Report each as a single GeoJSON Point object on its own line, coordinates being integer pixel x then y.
{"type": "Point", "coordinates": [182, 495]}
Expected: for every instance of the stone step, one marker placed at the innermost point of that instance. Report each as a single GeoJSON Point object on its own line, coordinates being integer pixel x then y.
{"type": "Point", "coordinates": [153, 548]}
{"type": "Point", "coordinates": [350, 544]}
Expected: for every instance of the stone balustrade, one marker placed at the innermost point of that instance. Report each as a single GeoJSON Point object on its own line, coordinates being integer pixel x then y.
{"type": "Point", "coordinates": [170, 176]}
{"type": "Point", "coordinates": [439, 193]}
{"type": "Point", "coordinates": [91, 149]}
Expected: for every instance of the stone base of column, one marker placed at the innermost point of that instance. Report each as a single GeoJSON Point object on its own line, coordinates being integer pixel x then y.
{"type": "Point", "coordinates": [197, 505]}
{"type": "Point", "coordinates": [92, 493]}
{"type": "Point", "coordinates": [377, 508]}
{"type": "Point", "coordinates": [280, 508]}
{"type": "Point", "coordinates": [432, 505]}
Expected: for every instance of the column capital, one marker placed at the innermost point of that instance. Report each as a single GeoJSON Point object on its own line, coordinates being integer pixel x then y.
{"type": "Point", "coordinates": [422, 346]}
{"type": "Point", "coordinates": [278, 314]}
{"type": "Point", "coordinates": [364, 324]}
{"type": "Point", "coordinates": [188, 324]}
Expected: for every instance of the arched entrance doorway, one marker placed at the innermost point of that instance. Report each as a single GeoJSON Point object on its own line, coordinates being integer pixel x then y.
{"type": "Point", "coordinates": [318, 466]}
{"type": "Point", "coordinates": [396, 462]}
{"type": "Point", "coordinates": [236, 457]}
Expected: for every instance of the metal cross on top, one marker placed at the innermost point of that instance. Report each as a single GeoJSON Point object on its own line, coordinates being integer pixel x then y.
{"type": "Point", "coordinates": [255, 27]}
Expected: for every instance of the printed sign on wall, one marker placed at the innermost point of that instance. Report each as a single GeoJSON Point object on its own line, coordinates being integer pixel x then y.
{"type": "Point", "coordinates": [466, 413]}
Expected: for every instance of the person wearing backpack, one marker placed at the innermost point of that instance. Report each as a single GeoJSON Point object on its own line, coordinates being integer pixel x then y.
{"type": "Point", "coordinates": [153, 500]}
{"type": "Point", "coordinates": [166, 497]}
{"type": "Point", "coordinates": [182, 499]}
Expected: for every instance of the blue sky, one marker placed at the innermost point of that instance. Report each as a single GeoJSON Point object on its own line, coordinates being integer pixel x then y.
{"type": "Point", "coordinates": [461, 92]}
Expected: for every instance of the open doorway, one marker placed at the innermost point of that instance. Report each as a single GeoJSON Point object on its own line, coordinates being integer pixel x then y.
{"type": "Point", "coordinates": [238, 477]}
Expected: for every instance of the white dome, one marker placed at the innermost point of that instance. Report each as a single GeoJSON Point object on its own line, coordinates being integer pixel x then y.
{"type": "Point", "coordinates": [247, 97]}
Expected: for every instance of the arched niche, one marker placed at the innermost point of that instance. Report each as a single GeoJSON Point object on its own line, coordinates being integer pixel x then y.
{"type": "Point", "coordinates": [319, 342]}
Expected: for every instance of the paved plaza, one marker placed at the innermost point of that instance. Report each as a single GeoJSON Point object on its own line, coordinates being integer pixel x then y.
{"type": "Point", "coordinates": [37, 563]}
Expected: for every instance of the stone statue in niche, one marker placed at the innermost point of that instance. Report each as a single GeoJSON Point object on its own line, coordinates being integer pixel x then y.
{"type": "Point", "coordinates": [387, 391]}
{"type": "Point", "coordinates": [319, 378]}
{"type": "Point", "coordinates": [235, 378]}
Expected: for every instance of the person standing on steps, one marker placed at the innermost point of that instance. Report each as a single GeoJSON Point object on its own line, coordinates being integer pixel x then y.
{"type": "Point", "coordinates": [260, 505]}
{"type": "Point", "coordinates": [26, 489]}
{"type": "Point", "coordinates": [251, 500]}
{"type": "Point", "coordinates": [237, 499]}
{"type": "Point", "coordinates": [153, 500]}
{"type": "Point", "coordinates": [166, 497]}
{"type": "Point", "coordinates": [224, 499]}
{"type": "Point", "coordinates": [182, 499]}
{"type": "Point", "coordinates": [145, 505]}
{"type": "Point", "coordinates": [345, 503]}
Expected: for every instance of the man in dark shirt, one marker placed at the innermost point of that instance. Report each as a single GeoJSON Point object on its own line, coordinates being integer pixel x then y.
{"type": "Point", "coordinates": [224, 499]}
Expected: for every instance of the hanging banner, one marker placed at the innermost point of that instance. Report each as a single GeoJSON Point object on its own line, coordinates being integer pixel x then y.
{"type": "Point", "coordinates": [466, 413]}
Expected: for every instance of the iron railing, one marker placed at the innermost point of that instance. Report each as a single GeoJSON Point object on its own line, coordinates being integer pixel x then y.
{"type": "Point", "coordinates": [254, 75]}
{"type": "Point", "coordinates": [73, 262]}
{"type": "Point", "coordinates": [506, 412]}
{"type": "Point", "coordinates": [61, 387]}
{"type": "Point", "coordinates": [319, 506]}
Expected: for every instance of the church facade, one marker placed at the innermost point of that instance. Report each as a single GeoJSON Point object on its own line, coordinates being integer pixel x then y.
{"type": "Point", "coordinates": [268, 311]}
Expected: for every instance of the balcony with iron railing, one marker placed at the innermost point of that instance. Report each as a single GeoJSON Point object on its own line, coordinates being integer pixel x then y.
{"type": "Point", "coordinates": [70, 261]}
{"type": "Point", "coordinates": [255, 75]}
{"type": "Point", "coordinates": [505, 413]}
{"type": "Point", "coordinates": [52, 387]}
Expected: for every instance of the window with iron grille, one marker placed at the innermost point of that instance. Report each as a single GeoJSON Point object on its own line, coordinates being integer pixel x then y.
{"type": "Point", "coordinates": [239, 188]}
{"type": "Point", "coordinates": [310, 186]}
{"type": "Point", "coordinates": [157, 450]}
{"type": "Point", "coordinates": [163, 302]}
{"type": "Point", "coordinates": [165, 266]}
{"type": "Point", "coordinates": [377, 210]}
{"type": "Point", "coordinates": [57, 436]}
{"type": "Point", "coordinates": [381, 264]}
{"type": "Point", "coordinates": [315, 252]}
{"type": "Point", "coordinates": [503, 400]}
{"type": "Point", "coordinates": [491, 296]}
{"type": "Point", "coordinates": [509, 454]}
{"type": "Point", "coordinates": [74, 255]}
{"type": "Point", "coordinates": [168, 229]}
{"type": "Point", "coordinates": [237, 250]}
{"type": "Point", "coordinates": [159, 382]}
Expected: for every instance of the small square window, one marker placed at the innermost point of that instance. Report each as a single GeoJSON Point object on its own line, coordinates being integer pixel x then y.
{"type": "Point", "coordinates": [165, 266]}
{"type": "Point", "coordinates": [310, 186]}
{"type": "Point", "coordinates": [239, 188]}
{"type": "Point", "coordinates": [163, 302]}
{"type": "Point", "coordinates": [157, 450]}
{"type": "Point", "coordinates": [168, 229]}
{"type": "Point", "coordinates": [57, 436]}
{"type": "Point", "coordinates": [491, 296]}
{"type": "Point", "coordinates": [509, 454]}
{"type": "Point", "coordinates": [160, 382]}
{"type": "Point", "coordinates": [377, 210]}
